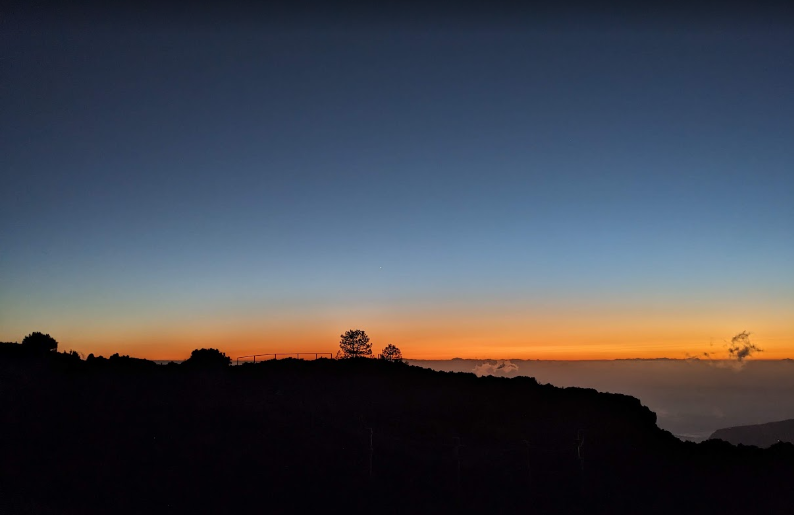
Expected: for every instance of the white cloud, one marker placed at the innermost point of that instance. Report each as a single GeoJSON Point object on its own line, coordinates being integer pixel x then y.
{"type": "Point", "coordinates": [502, 368]}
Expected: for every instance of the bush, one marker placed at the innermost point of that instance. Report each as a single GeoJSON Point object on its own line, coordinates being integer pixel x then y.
{"type": "Point", "coordinates": [208, 358]}
{"type": "Point", "coordinates": [40, 343]}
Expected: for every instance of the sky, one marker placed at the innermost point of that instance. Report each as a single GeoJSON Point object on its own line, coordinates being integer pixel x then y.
{"type": "Point", "coordinates": [462, 183]}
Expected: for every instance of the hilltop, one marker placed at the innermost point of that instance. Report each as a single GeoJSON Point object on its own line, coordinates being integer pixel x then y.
{"type": "Point", "coordinates": [356, 436]}
{"type": "Point", "coordinates": [760, 435]}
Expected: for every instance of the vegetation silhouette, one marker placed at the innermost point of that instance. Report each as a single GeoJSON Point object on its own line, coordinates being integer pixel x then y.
{"type": "Point", "coordinates": [355, 344]}
{"type": "Point", "coordinates": [207, 358]}
{"type": "Point", "coordinates": [39, 343]}
{"type": "Point", "coordinates": [118, 362]}
{"type": "Point", "coordinates": [391, 353]}
{"type": "Point", "coordinates": [293, 436]}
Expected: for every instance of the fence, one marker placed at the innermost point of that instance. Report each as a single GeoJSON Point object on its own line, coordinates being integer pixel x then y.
{"type": "Point", "coordinates": [296, 355]}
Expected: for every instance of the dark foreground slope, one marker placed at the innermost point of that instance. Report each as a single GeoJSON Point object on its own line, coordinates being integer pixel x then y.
{"type": "Point", "coordinates": [761, 435]}
{"type": "Point", "coordinates": [294, 437]}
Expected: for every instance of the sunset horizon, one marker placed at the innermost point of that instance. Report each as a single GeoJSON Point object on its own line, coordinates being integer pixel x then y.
{"type": "Point", "coordinates": [388, 258]}
{"type": "Point", "coordinates": [175, 348]}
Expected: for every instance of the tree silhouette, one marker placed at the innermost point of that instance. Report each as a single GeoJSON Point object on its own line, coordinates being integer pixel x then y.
{"type": "Point", "coordinates": [208, 358]}
{"type": "Point", "coordinates": [391, 353]}
{"type": "Point", "coordinates": [39, 342]}
{"type": "Point", "coordinates": [355, 344]}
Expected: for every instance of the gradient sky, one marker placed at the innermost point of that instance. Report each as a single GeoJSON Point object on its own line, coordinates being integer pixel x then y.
{"type": "Point", "coordinates": [541, 185]}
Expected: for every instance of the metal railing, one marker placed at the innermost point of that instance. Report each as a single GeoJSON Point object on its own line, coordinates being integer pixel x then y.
{"type": "Point", "coordinates": [297, 355]}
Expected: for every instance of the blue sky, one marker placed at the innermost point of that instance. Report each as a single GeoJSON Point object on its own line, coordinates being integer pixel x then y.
{"type": "Point", "coordinates": [156, 169]}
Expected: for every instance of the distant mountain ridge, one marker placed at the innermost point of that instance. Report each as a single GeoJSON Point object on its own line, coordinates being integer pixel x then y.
{"type": "Point", "coordinates": [760, 435]}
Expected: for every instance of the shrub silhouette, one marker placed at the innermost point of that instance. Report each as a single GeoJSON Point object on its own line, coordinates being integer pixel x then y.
{"type": "Point", "coordinates": [355, 344]}
{"type": "Point", "coordinates": [69, 357]}
{"type": "Point", "coordinates": [391, 353]}
{"type": "Point", "coordinates": [40, 343]}
{"type": "Point", "coordinates": [208, 358]}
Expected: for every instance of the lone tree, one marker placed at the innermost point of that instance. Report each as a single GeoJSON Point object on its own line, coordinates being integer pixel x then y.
{"type": "Point", "coordinates": [208, 358]}
{"type": "Point", "coordinates": [355, 344]}
{"type": "Point", "coordinates": [391, 353]}
{"type": "Point", "coordinates": [39, 342]}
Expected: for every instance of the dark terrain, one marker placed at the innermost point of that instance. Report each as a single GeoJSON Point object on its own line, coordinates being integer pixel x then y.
{"type": "Point", "coordinates": [127, 436]}
{"type": "Point", "coordinates": [760, 435]}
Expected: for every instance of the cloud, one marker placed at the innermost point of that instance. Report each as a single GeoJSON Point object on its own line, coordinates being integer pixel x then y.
{"type": "Point", "coordinates": [741, 347]}
{"type": "Point", "coordinates": [502, 368]}
{"type": "Point", "coordinates": [690, 357]}
{"type": "Point", "coordinates": [728, 364]}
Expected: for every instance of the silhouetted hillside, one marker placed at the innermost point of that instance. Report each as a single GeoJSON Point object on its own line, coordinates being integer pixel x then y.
{"type": "Point", "coordinates": [760, 435]}
{"type": "Point", "coordinates": [351, 436]}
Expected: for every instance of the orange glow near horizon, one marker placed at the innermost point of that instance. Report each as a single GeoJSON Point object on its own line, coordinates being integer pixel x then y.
{"type": "Point", "coordinates": [595, 333]}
